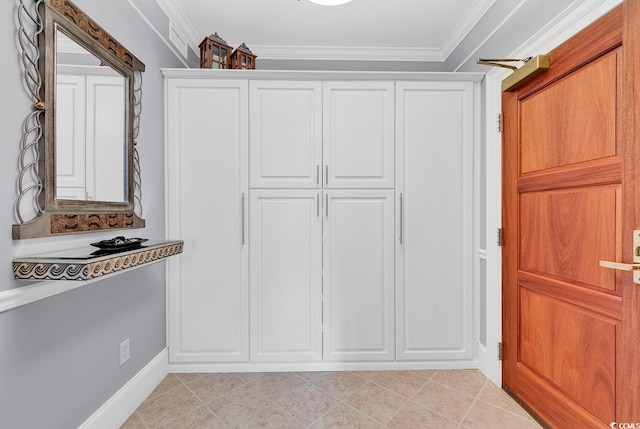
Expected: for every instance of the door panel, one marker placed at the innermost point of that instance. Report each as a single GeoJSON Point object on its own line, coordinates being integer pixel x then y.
{"type": "Point", "coordinates": [569, 201]}
{"type": "Point", "coordinates": [206, 181]}
{"type": "Point", "coordinates": [434, 150]}
{"type": "Point", "coordinates": [358, 275]}
{"type": "Point", "coordinates": [285, 137]}
{"type": "Point", "coordinates": [358, 134]}
{"type": "Point", "coordinates": [286, 277]}
{"type": "Point", "coordinates": [70, 136]}
{"type": "Point", "coordinates": [564, 234]}
{"type": "Point", "coordinates": [591, 93]}
{"type": "Point", "coordinates": [576, 355]}
{"type": "Point", "coordinates": [106, 132]}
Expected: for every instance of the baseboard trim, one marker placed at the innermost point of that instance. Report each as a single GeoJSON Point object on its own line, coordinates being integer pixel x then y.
{"type": "Point", "coordinates": [116, 411]}
{"type": "Point", "coordinates": [317, 366]}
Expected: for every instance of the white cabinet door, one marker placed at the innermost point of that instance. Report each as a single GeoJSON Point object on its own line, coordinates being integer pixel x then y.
{"type": "Point", "coordinates": [286, 275]}
{"type": "Point", "coordinates": [358, 275]}
{"type": "Point", "coordinates": [358, 134]}
{"type": "Point", "coordinates": [435, 140]}
{"type": "Point", "coordinates": [207, 191]}
{"type": "Point", "coordinates": [106, 138]}
{"type": "Point", "coordinates": [71, 114]}
{"type": "Point", "coordinates": [285, 138]}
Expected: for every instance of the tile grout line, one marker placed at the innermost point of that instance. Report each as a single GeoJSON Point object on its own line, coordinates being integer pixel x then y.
{"type": "Point", "coordinates": [475, 399]}
{"type": "Point", "coordinates": [247, 384]}
{"type": "Point", "coordinates": [370, 380]}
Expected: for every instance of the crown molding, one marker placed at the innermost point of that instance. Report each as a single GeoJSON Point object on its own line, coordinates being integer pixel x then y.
{"type": "Point", "coordinates": [574, 18]}
{"type": "Point", "coordinates": [347, 53]}
{"type": "Point", "coordinates": [180, 22]}
{"type": "Point", "coordinates": [469, 21]}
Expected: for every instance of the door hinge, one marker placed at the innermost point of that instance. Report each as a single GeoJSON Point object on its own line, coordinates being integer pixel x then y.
{"type": "Point", "coordinates": [499, 237]}
{"type": "Point", "coordinates": [499, 122]}
{"type": "Point", "coordinates": [500, 350]}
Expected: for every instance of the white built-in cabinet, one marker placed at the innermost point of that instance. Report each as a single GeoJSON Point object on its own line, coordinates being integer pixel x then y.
{"type": "Point", "coordinates": [207, 192]}
{"type": "Point", "coordinates": [325, 220]}
{"type": "Point", "coordinates": [434, 152]}
{"type": "Point", "coordinates": [322, 264]}
{"type": "Point", "coordinates": [313, 134]}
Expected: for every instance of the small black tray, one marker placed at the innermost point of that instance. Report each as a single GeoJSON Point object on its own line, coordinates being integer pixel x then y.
{"type": "Point", "coordinates": [119, 243]}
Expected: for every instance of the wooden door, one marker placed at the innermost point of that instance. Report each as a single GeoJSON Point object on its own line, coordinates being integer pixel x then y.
{"type": "Point", "coordinates": [434, 245]}
{"type": "Point", "coordinates": [286, 275]}
{"type": "Point", "coordinates": [206, 202]}
{"type": "Point", "coordinates": [358, 134]}
{"type": "Point", "coordinates": [285, 135]}
{"type": "Point", "coordinates": [570, 195]}
{"type": "Point", "coordinates": [358, 275]}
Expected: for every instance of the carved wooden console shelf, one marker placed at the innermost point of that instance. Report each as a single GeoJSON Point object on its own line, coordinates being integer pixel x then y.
{"type": "Point", "coordinates": [88, 262]}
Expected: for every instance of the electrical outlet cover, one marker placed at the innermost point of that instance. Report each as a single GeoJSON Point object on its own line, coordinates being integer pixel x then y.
{"type": "Point", "coordinates": [124, 352]}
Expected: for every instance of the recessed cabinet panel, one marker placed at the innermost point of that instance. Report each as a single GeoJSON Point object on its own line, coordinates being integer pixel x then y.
{"type": "Point", "coordinates": [286, 275]}
{"type": "Point", "coordinates": [70, 137]}
{"type": "Point", "coordinates": [434, 207]}
{"type": "Point", "coordinates": [358, 124]}
{"type": "Point", "coordinates": [207, 191]}
{"type": "Point", "coordinates": [285, 134]}
{"type": "Point", "coordinates": [358, 275]}
{"type": "Point", "coordinates": [106, 135]}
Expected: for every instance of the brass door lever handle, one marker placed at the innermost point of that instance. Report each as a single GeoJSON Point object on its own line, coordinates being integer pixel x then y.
{"type": "Point", "coordinates": [619, 266]}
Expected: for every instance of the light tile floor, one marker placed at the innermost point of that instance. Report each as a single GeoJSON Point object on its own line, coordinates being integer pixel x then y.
{"type": "Point", "coordinates": [321, 400]}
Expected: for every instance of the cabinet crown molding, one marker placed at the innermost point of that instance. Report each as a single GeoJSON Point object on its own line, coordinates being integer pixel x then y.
{"type": "Point", "coordinates": [319, 75]}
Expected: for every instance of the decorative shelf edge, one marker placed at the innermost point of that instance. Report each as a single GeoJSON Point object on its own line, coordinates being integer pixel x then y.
{"type": "Point", "coordinates": [59, 268]}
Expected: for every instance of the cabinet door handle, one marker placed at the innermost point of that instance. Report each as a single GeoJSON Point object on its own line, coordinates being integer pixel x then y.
{"type": "Point", "coordinates": [401, 218]}
{"type": "Point", "coordinates": [317, 205]}
{"type": "Point", "coordinates": [243, 235]}
{"type": "Point", "coordinates": [326, 174]}
{"type": "Point", "coordinates": [317, 174]}
{"type": "Point", "coordinates": [326, 205]}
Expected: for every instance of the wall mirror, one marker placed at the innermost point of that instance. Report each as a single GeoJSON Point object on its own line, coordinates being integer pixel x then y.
{"type": "Point", "coordinates": [79, 167]}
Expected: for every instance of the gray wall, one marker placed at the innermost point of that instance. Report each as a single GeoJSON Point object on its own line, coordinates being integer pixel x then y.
{"type": "Point", "coordinates": [59, 357]}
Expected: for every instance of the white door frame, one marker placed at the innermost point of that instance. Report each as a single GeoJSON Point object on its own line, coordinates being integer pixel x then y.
{"type": "Point", "coordinates": [567, 24]}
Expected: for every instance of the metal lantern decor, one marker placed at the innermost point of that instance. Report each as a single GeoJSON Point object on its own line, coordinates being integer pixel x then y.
{"type": "Point", "coordinates": [215, 53]}
{"type": "Point", "coordinates": [243, 58]}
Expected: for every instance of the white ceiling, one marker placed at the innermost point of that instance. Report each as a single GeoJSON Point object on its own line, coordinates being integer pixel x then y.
{"type": "Point", "coordinates": [411, 30]}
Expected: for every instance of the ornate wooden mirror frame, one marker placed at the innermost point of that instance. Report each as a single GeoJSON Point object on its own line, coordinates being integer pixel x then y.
{"type": "Point", "coordinates": [40, 22]}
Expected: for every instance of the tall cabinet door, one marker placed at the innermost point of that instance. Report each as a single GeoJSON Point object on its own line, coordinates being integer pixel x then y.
{"type": "Point", "coordinates": [358, 134]}
{"type": "Point", "coordinates": [71, 113]}
{"type": "Point", "coordinates": [285, 275]}
{"type": "Point", "coordinates": [207, 192]}
{"type": "Point", "coordinates": [285, 139]}
{"type": "Point", "coordinates": [435, 140]}
{"type": "Point", "coordinates": [358, 275]}
{"type": "Point", "coordinates": [106, 130]}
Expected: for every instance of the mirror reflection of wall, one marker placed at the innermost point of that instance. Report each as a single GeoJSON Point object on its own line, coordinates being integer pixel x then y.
{"type": "Point", "coordinates": [91, 132]}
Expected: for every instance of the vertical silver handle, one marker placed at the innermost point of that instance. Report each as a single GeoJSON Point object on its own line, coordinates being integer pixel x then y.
{"type": "Point", "coordinates": [401, 219]}
{"type": "Point", "coordinates": [318, 205]}
{"type": "Point", "coordinates": [317, 174]}
{"type": "Point", "coordinates": [326, 204]}
{"type": "Point", "coordinates": [243, 236]}
{"type": "Point", "coordinates": [326, 174]}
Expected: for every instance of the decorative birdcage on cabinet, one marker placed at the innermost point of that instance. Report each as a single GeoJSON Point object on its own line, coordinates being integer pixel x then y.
{"type": "Point", "coordinates": [243, 58]}
{"type": "Point", "coordinates": [215, 53]}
